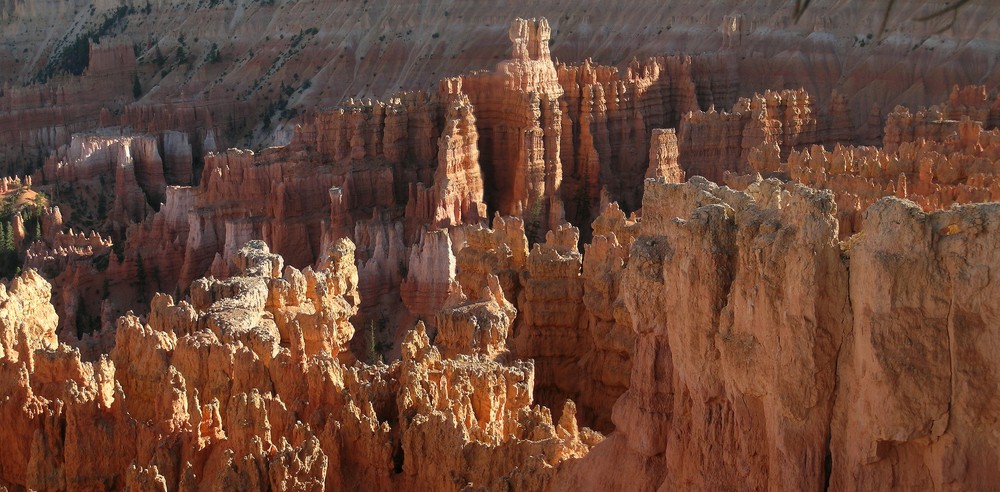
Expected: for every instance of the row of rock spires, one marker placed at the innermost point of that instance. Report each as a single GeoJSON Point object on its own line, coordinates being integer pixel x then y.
{"type": "Point", "coordinates": [750, 51]}
{"type": "Point", "coordinates": [382, 163]}
{"type": "Point", "coordinates": [764, 354]}
{"type": "Point", "coordinates": [547, 290]}
{"type": "Point", "coordinates": [542, 132]}
{"type": "Point", "coordinates": [274, 195]}
{"type": "Point", "coordinates": [384, 174]}
{"type": "Point", "coordinates": [926, 157]}
{"type": "Point", "coordinates": [771, 389]}
{"type": "Point", "coordinates": [45, 116]}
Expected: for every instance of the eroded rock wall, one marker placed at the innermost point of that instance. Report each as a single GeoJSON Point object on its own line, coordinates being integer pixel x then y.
{"type": "Point", "coordinates": [755, 346]}
{"type": "Point", "coordinates": [914, 400]}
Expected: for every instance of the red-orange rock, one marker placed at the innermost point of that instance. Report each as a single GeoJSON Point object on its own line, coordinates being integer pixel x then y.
{"type": "Point", "coordinates": [712, 143]}
{"type": "Point", "coordinates": [729, 384]}
{"type": "Point", "coordinates": [430, 277]}
{"type": "Point", "coordinates": [663, 156]}
{"type": "Point", "coordinates": [479, 327]}
{"type": "Point", "coordinates": [912, 393]}
{"type": "Point", "coordinates": [551, 306]}
{"type": "Point", "coordinates": [501, 252]}
{"type": "Point", "coordinates": [767, 336]}
{"type": "Point", "coordinates": [457, 194]}
{"type": "Point", "coordinates": [276, 411]}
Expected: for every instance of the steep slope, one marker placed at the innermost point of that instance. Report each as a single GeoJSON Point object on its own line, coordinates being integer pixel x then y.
{"type": "Point", "coordinates": [243, 67]}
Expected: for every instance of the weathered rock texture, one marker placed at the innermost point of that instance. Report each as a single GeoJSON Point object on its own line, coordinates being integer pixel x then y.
{"type": "Point", "coordinates": [551, 308]}
{"type": "Point", "coordinates": [430, 278]}
{"type": "Point", "coordinates": [737, 341]}
{"type": "Point", "coordinates": [477, 327]}
{"type": "Point", "coordinates": [533, 138]}
{"type": "Point", "coordinates": [913, 406]}
{"type": "Point", "coordinates": [768, 336]}
{"type": "Point", "coordinates": [483, 142]}
{"type": "Point", "coordinates": [759, 338]}
{"type": "Point", "coordinates": [568, 314]}
{"type": "Point", "coordinates": [755, 346]}
{"type": "Point", "coordinates": [607, 363]}
{"type": "Point", "coordinates": [242, 386]}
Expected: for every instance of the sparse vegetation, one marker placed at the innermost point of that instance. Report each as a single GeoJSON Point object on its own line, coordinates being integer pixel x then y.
{"type": "Point", "coordinates": [84, 322]}
{"type": "Point", "coordinates": [29, 209]}
{"type": "Point", "coordinates": [136, 86]}
{"type": "Point", "coordinates": [158, 58]}
{"type": "Point", "coordinates": [533, 221]}
{"type": "Point", "coordinates": [213, 55]}
{"type": "Point", "coordinates": [8, 254]}
{"type": "Point", "coordinates": [949, 8]}
{"type": "Point", "coordinates": [374, 357]}
{"type": "Point", "coordinates": [74, 56]}
{"type": "Point", "coordinates": [101, 261]}
{"type": "Point", "coordinates": [140, 277]}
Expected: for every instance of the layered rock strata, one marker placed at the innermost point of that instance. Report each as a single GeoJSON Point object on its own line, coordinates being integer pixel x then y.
{"type": "Point", "coordinates": [551, 307]}
{"type": "Point", "coordinates": [720, 359]}
{"type": "Point", "coordinates": [725, 339]}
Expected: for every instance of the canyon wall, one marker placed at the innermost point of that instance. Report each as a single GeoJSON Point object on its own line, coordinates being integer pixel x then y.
{"type": "Point", "coordinates": [760, 339]}
{"type": "Point", "coordinates": [760, 362]}
{"type": "Point", "coordinates": [823, 321]}
{"type": "Point", "coordinates": [245, 73]}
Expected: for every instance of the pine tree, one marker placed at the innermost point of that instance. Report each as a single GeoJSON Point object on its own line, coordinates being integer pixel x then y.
{"type": "Point", "coordinates": [140, 279]}
{"type": "Point", "coordinates": [373, 355]}
{"type": "Point", "coordinates": [136, 86]}
{"type": "Point", "coordinates": [583, 198]}
{"type": "Point", "coordinates": [82, 327]}
{"type": "Point", "coordinates": [140, 272]}
{"type": "Point", "coordinates": [159, 59]}
{"type": "Point", "coordinates": [118, 247]}
{"type": "Point", "coordinates": [533, 221]}
{"type": "Point", "coordinates": [102, 206]}
{"type": "Point", "coordinates": [8, 237]}
{"type": "Point", "coordinates": [213, 54]}
{"type": "Point", "coordinates": [8, 257]}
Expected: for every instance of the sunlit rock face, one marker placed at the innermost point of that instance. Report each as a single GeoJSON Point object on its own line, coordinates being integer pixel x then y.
{"type": "Point", "coordinates": [705, 247]}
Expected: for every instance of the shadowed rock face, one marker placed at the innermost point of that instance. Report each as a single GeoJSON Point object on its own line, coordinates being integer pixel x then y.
{"type": "Point", "coordinates": [341, 312]}
{"type": "Point", "coordinates": [224, 73]}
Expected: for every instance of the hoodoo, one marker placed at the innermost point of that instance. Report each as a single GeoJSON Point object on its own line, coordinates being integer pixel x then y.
{"type": "Point", "coordinates": [312, 245]}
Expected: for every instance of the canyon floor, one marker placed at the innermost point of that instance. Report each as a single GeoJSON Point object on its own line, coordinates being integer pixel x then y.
{"type": "Point", "coordinates": [438, 245]}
